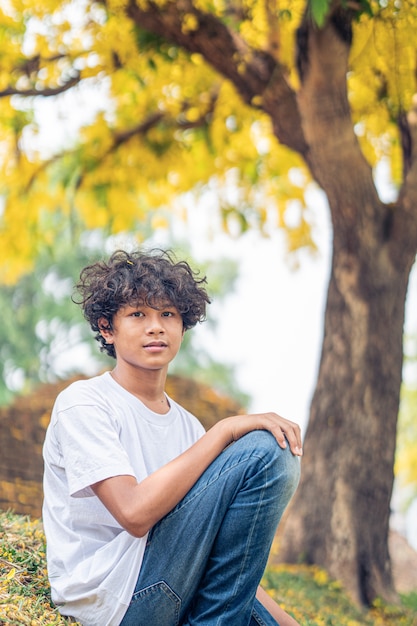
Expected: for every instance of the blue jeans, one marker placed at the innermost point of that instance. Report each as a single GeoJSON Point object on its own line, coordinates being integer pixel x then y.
{"type": "Point", "coordinates": [204, 560]}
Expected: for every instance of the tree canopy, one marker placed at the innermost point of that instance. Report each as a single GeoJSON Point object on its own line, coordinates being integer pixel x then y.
{"type": "Point", "coordinates": [167, 124]}
{"type": "Point", "coordinates": [168, 121]}
{"type": "Point", "coordinates": [265, 98]}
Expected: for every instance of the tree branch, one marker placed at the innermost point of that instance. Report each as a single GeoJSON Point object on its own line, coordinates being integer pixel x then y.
{"type": "Point", "coordinates": [123, 137]}
{"type": "Point", "coordinates": [257, 76]}
{"type": "Point", "coordinates": [31, 65]}
{"type": "Point", "coordinates": [153, 119]}
{"type": "Point", "coordinates": [323, 63]}
{"type": "Point", "coordinates": [47, 92]}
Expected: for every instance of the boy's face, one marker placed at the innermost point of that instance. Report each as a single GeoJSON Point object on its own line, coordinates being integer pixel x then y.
{"type": "Point", "coordinates": [144, 337]}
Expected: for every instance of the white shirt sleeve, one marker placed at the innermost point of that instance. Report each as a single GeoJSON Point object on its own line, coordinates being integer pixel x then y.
{"type": "Point", "coordinates": [90, 446]}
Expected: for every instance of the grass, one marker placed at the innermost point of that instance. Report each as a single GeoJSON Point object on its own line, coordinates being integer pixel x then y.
{"type": "Point", "coordinates": [24, 587]}
{"type": "Point", "coordinates": [305, 592]}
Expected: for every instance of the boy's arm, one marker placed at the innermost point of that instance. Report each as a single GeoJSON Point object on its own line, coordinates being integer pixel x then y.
{"type": "Point", "coordinates": [138, 506]}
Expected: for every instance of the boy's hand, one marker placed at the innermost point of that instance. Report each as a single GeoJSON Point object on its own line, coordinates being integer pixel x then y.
{"type": "Point", "coordinates": [283, 430]}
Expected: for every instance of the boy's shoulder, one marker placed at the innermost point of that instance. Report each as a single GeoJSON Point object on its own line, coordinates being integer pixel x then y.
{"type": "Point", "coordinates": [84, 391]}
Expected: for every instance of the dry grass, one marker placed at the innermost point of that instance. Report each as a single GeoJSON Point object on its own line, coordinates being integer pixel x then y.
{"type": "Point", "coordinates": [24, 586]}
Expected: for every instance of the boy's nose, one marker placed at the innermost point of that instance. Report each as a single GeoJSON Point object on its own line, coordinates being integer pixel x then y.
{"type": "Point", "coordinates": [155, 326]}
{"type": "Point", "coordinates": [155, 330]}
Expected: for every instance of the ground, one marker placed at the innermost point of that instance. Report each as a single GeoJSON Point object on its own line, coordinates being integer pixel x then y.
{"type": "Point", "coordinates": [404, 562]}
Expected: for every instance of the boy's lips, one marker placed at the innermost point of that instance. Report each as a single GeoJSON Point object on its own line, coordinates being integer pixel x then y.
{"type": "Point", "coordinates": [155, 345]}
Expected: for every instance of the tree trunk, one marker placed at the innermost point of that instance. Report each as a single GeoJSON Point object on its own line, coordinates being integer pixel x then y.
{"type": "Point", "coordinates": [340, 515]}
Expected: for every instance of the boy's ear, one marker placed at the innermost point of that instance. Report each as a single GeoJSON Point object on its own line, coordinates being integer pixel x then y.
{"type": "Point", "coordinates": [105, 329]}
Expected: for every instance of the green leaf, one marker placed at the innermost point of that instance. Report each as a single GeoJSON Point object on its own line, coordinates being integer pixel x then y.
{"type": "Point", "coordinates": [319, 11]}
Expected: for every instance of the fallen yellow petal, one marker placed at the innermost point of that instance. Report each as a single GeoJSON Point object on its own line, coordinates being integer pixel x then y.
{"type": "Point", "coordinates": [11, 574]}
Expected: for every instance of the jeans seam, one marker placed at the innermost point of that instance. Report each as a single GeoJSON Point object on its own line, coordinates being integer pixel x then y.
{"type": "Point", "coordinates": [258, 618]}
{"type": "Point", "coordinates": [160, 586]}
{"type": "Point", "coordinates": [254, 521]}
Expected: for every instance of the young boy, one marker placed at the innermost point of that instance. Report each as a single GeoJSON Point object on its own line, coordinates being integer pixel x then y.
{"type": "Point", "coordinates": [150, 520]}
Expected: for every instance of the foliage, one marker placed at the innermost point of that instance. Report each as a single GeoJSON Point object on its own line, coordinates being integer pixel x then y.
{"type": "Point", "coordinates": [39, 328]}
{"type": "Point", "coordinates": [305, 592]}
{"type": "Point", "coordinates": [382, 83]}
{"type": "Point", "coordinates": [43, 336]}
{"type": "Point", "coordinates": [166, 123]}
{"type": "Point", "coordinates": [157, 121]}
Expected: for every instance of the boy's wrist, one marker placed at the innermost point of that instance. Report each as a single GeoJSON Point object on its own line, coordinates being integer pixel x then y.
{"type": "Point", "coordinates": [225, 431]}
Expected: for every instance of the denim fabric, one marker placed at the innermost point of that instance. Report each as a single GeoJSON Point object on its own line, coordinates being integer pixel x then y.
{"type": "Point", "coordinates": [204, 560]}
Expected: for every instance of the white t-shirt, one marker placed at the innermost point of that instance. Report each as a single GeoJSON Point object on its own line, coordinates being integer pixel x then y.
{"type": "Point", "coordinates": [99, 430]}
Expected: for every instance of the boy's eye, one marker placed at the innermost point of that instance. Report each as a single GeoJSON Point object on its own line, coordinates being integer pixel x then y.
{"type": "Point", "coordinates": [137, 314]}
{"type": "Point", "coordinates": [167, 313]}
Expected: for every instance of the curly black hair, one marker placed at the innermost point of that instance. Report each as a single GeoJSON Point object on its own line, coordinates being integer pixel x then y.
{"type": "Point", "coordinates": [147, 278]}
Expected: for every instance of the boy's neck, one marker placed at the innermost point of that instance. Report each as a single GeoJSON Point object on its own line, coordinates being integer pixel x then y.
{"type": "Point", "coordinates": [147, 385]}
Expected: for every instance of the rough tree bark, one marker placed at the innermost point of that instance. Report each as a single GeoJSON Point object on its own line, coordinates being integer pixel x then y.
{"type": "Point", "coordinates": [339, 517]}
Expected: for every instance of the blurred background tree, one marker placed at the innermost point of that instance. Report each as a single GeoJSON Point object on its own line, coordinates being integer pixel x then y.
{"type": "Point", "coordinates": [254, 101]}
{"type": "Point", "coordinates": [44, 338]}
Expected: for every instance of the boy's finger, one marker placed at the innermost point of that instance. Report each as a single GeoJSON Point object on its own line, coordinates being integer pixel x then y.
{"type": "Point", "coordinates": [294, 439]}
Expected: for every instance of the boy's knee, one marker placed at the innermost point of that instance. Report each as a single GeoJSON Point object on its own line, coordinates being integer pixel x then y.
{"type": "Point", "coordinates": [284, 463]}
{"type": "Point", "coordinates": [261, 446]}
{"type": "Point", "coordinates": [260, 454]}
{"type": "Point", "coordinates": [263, 441]}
